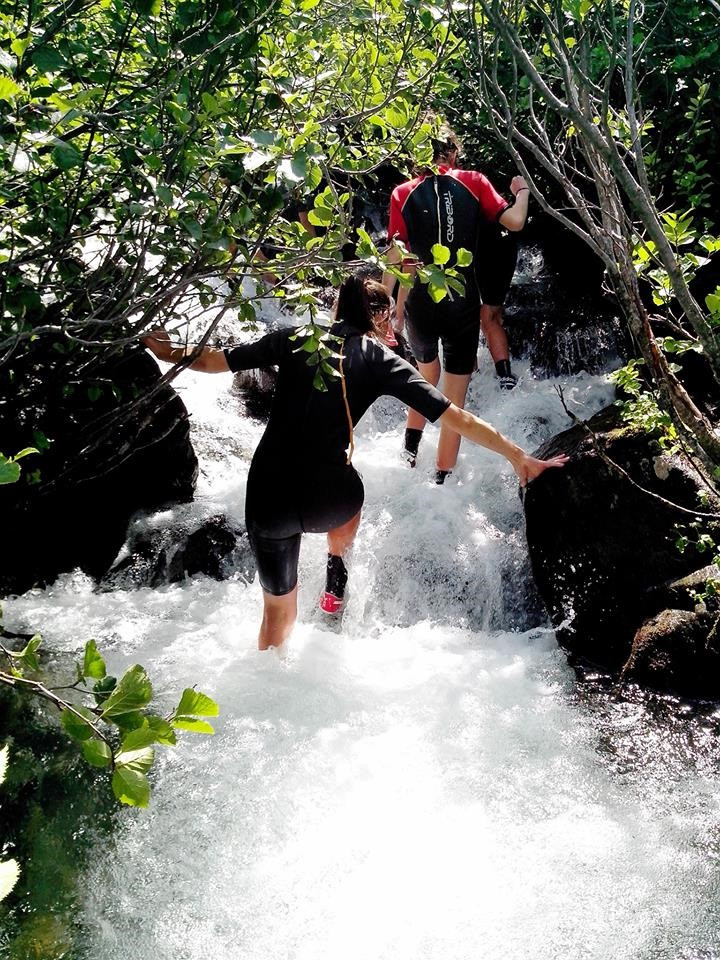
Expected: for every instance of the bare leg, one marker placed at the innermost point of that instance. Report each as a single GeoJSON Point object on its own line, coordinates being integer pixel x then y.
{"type": "Point", "coordinates": [491, 321]}
{"type": "Point", "coordinates": [431, 372]}
{"type": "Point", "coordinates": [342, 538]}
{"type": "Point", "coordinates": [279, 616]}
{"type": "Point", "coordinates": [455, 386]}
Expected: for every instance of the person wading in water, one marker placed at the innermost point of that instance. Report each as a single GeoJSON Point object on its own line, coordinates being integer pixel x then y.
{"type": "Point", "coordinates": [301, 478]}
{"type": "Point", "coordinates": [447, 205]}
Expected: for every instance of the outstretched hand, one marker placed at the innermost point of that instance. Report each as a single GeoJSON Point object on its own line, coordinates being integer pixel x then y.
{"type": "Point", "coordinates": [528, 468]}
{"type": "Point", "coordinates": [158, 342]}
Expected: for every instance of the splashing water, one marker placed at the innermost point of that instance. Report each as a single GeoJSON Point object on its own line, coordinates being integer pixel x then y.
{"type": "Point", "coordinates": [425, 784]}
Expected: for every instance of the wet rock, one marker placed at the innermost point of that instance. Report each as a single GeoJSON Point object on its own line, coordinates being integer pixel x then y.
{"type": "Point", "coordinates": [677, 651]}
{"type": "Point", "coordinates": [216, 548]}
{"type": "Point", "coordinates": [96, 469]}
{"type": "Point", "coordinates": [600, 547]}
{"type": "Point", "coordinates": [255, 389]}
{"type": "Point", "coordinates": [561, 330]}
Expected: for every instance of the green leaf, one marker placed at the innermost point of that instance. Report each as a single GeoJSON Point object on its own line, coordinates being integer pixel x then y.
{"type": "Point", "coordinates": [103, 688]}
{"type": "Point", "coordinates": [209, 103]}
{"type": "Point", "coordinates": [464, 257]}
{"type": "Point", "coordinates": [9, 873]}
{"type": "Point", "coordinates": [196, 704]}
{"type": "Point", "coordinates": [75, 726]}
{"type": "Point", "coordinates": [9, 471]}
{"type": "Point", "coordinates": [436, 292]}
{"type": "Point", "coordinates": [26, 451]}
{"type": "Point", "coordinates": [712, 301]}
{"type": "Point", "coordinates": [193, 228]}
{"type": "Point", "coordinates": [19, 46]}
{"type": "Point", "coordinates": [165, 194]}
{"type": "Point", "coordinates": [9, 89]}
{"type": "Point", "coordinates": [139, 759]}
{"type": "Point", "coordinates": [93, 663]}
{"type": "Point", "coordinates": [149, 8]}
{"type": "Point", "coordinates": [29, 653]}
{"type": "Point", "coordinates": [320, 216]}
{"type": "Point", "coordinates": [131, 787]}
{"type": "Point", "coordinates": [125, 722]}
{"type": "Point", "coordinates": [192, 723]}
{"type": "Point", "coordinates": [441, 254]}
{"type": "Point", "coordinates": [162, 730]}
{"type": "Point", "coordinates": [66, 156]}
{"type": "Point", "coordinates": [133, 692]}
{"type": "Point", "coordinates": [97, 752]}
{"type": "Point", "coordinates": [256, 158]}
{"type": "Point", "coordinates": [47, 59]}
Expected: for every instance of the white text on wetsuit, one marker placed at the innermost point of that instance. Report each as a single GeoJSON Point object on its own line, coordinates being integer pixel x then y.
{"type": "Point", "coordinates": [450, 225]}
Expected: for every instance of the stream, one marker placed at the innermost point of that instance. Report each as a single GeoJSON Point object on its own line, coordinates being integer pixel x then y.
{"type": "Point", "coordinates": [430, 782]}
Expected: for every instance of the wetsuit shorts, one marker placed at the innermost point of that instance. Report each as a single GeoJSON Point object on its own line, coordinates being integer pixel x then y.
{"type": "Point", "coordinates": [280, 508]}
{"type": "Point", "coordinates": [458, 330]}
{"type": "Point", "coordinates": [495, 260]}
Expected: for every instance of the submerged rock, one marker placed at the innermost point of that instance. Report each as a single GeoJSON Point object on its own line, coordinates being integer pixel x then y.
{"type": "Point", "coordinates": [603, 543]}
{"type": "Point", "coordinates": [216, 548]}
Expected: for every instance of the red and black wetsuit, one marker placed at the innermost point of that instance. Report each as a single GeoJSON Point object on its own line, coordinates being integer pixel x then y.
{"type": "Point", "coordinates": [445, 208]}
{"type": "Point", "coordinates": [299, 479]}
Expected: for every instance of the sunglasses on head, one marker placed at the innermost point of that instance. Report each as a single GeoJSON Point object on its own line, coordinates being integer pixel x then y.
{"type": "Point", "coordinates": [382, 307]}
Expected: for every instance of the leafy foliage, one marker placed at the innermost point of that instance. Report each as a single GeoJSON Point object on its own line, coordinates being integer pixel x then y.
{"type": "Point", "coordinates": [565, 86]}
{"type": "Point", "coordinates": [113, 725]}
{"type": "Point", "coordinates": [154, 155]}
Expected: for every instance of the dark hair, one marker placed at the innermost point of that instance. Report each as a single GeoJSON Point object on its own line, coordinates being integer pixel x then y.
{"type": "Point", "coordinates": [443, 149]}
{"type": "Point", "coordinates": [377, 294]}
{"type": "Point", "coordinates": [353, 305]}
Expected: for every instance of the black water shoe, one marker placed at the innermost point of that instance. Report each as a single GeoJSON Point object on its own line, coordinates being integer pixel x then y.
{"type": "Point", "coordinates": [333, 600]}
{"type": "Point", "coordinates": [411, 444]}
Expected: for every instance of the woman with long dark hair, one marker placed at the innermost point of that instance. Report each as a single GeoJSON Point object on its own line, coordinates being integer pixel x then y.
{"type": "Point", "coordinates": [301, 478]}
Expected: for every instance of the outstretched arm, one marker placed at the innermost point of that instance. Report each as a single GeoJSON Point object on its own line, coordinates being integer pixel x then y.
{"type": "Point", "coordinates": [515, 216]}
{"type": "Point", "coordinates": [208, 360]}
{"type": "Point", "coordinates": [469, 426]}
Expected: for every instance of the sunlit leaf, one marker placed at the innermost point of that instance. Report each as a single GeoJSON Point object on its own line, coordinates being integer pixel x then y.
{"type": "Point", "coordinates": [133, 692]}
{"type": "Point", "coordinates": [131, 787]}
{"type": "Point", "coordinates": [196, 704]}
{"type": "Point", "coordinates": [97, 752]}
{"type": "Point", "coordinates": [93, 663]}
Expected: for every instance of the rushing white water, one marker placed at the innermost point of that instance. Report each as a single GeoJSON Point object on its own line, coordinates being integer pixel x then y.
{"type": "Point", "coordinates": [423, 785]}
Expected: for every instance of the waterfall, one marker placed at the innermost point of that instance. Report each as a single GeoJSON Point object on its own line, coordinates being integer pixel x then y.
{"type": "Point", "coordinates": [427, 782]}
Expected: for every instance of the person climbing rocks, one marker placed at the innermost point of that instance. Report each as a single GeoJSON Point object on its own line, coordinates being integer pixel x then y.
{"type": "Point", "coordinates": [447, 205]}
{"type": "Point", "coordinates": [301, 477]}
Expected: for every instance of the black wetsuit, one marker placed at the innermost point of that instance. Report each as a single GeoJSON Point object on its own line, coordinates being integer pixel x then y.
{"type": "Point", "coordinates": [299, 479]}
{"type": "Point", "coordinates": [495, 260]}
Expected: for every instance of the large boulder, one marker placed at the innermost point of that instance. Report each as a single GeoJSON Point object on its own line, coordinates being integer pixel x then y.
{"type": "Point", "coordinates": [99, 464]}
{"type": "Point", "coordinates": [603, 540]}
